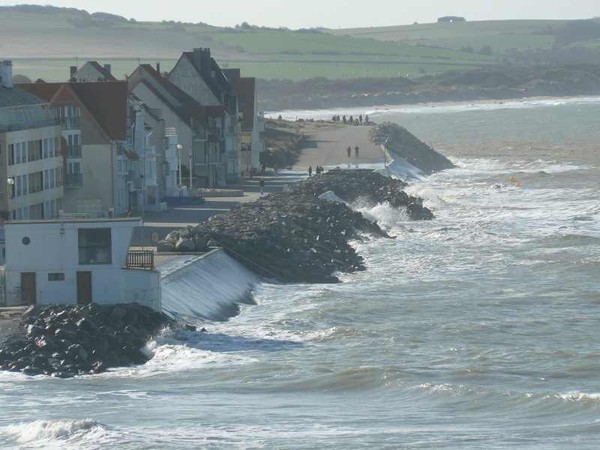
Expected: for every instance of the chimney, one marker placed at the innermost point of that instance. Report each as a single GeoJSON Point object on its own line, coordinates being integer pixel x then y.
{"type": "Point", "coordinates": [107, 68]}
{"type": "Point", "coordinates": [72, 72]}
{"type": "Point", "coordinates": [203, 59]}
{"type": "Point", "coordinates": [6, 78]}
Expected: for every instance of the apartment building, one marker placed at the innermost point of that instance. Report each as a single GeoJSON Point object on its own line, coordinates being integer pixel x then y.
{"type": "Point", "coordinates": [200, 76]}
{"type": "Point", "coordinates": [94, 118]}
{"type": "Point", "coordinates": [31, 162]}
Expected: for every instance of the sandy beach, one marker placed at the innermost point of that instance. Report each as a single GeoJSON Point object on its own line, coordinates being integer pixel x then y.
{"type": "Point", "coordinates": [326, 146]}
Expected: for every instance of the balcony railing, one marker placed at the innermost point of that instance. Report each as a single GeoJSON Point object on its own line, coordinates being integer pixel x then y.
{"type": "Point", "coordinates": [140, 259]}
{"type": "Point", "coordinates": [70, 123]}
{"type": "Point", "coordinates": [74, 180]}
{"type": "Point", "coordinates": [74, 151]}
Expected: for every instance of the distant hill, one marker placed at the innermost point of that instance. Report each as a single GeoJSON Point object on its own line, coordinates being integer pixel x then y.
{"type": "Point", "coordinates": [45, 40]}
{"type": "Point", "coordinates": [502, 36]}
{"type": "Point", "coordinates": [320, 68]}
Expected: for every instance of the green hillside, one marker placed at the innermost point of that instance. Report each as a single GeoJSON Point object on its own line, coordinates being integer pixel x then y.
{"type": "Point", "coordinates": [503, 37]}
{"type": "Point", "coordinates": [44, 41]}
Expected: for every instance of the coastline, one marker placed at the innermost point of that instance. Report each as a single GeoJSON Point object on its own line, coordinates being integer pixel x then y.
{"type": "Point", "coordinates": [431, 106]}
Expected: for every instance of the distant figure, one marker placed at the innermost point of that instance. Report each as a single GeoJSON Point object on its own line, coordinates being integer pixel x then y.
{"type": "Point", "coordinates": [366, 119]}
{"type": "Point", "coordinates": [344, 119]}
{"type": "Point", "coordinates": [263, 168]}
{"type": "Point", "coordinates": [280, 118]}
{"type": "Point", "coordinates": [351, 120]}
{"type": "Point", "coordinates": [310, 171]}
{"type": "Point", "coordinates": [360, 119]}
{"type": "Point", "coordinates": [349, 151]}
{"type": "Point", "coordinates": [261, 185]}
{"type": "Point", "coordinates": [356, 151]}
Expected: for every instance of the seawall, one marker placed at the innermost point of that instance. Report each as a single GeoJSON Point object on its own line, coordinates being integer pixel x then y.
{"type": "Point", "coordinates": [209, 286]}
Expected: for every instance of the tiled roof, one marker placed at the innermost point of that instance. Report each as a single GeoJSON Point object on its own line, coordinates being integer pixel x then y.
{"type": "Point", "coordinates": [178, 101]}
{"type": "Point", "coordinates": [219, 85]}
{"type": "Point", "coordinates": [17, 97]}
{"type": "Point", "coordinates": [106, 102]}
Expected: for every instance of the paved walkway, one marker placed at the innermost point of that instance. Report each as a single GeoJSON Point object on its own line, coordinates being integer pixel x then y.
{"type": "Point", "coordinates": [158, 224]}
{"type": "Point", "coordinates": [327, 147]}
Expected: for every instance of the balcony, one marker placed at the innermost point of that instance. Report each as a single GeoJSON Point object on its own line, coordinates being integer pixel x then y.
{"type": "Point", "coordinates": [74, 180]}
{"type": "Point", "coordinates": [74, 151]}
{"type": "Point", "coordinates": [70, 123]}
{"type": "Point", "coordinates": [140, 259]}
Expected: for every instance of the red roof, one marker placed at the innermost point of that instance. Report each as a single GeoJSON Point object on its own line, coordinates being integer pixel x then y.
{"type": "Point", "coordinates": [106, 102]}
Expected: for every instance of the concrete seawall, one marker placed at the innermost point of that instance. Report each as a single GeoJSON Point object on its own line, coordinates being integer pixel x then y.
{"type": "Point", "coordinates": [209, 286]}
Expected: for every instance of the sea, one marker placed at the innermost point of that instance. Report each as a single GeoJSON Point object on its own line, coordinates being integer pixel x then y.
{"type": "Point", "coordinates": [479, 329]}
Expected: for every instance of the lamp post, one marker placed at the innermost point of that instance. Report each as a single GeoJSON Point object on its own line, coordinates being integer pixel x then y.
{"type": "Point", "coordinates": [179, 148]}
{"type": "Point", "coordinates": [11, 183]}
{"type": "Point", "coordinates": [191, 170]}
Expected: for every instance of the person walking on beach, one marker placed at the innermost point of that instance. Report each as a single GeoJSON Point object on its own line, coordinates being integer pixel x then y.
{"type": "Point", "coordinates": [261, 185]}
{"type": "Point", "coordinates": [356, 151]}
{"type": "Point", "coordinates": [349, 151]}
{"type": "Point", "coordinates": [310, 171]}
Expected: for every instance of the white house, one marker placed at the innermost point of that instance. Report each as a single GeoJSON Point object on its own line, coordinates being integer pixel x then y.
{"type": "Point", "coordinates": [78, 262]}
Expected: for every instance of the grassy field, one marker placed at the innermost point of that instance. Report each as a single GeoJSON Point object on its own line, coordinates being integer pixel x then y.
{"type": "Point", "coordinates": [44, 42]}
{"type": "Point", "coordinates": [501, 36]}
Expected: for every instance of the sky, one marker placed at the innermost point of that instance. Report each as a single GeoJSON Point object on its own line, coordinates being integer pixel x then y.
{"type": "Point", "coordinates": [330, 13]}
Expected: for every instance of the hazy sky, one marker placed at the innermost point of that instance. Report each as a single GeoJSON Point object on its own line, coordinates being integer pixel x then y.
{"type": "Point", "coordinates": [331, 13]}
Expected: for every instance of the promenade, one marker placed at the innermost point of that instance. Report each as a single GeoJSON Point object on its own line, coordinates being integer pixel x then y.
{"type": "Point", "coordinates": [159, 224]}
{"type": "Point", "coordinates": [325, 146]}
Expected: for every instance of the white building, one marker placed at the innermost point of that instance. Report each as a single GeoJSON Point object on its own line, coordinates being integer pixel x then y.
{"type": "Point", "coordinates": [78, 262]}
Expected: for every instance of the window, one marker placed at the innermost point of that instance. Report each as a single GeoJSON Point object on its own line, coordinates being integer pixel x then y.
{"type": "Point", "coordinates": [11, 154]}
{"type": "Point", "coordinates": [56, 277]}
{"type": "Point", "coordinates": [95, 246]}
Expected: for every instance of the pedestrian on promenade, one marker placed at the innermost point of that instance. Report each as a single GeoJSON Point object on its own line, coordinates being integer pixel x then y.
{"type": "Point", "coordinates": [356, 151]}
{"type": "Point", "coordinates": [261, 185]}
{"type": "Point", "coordinates": [310, 171]}
{"type": "Point", "coordinates": [349, 151]}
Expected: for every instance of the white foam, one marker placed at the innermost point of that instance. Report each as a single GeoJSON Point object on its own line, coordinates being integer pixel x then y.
{"type": "Point", "coordinates": [376, 112]}
{"type": "Point", "coordinates": [55, 433]}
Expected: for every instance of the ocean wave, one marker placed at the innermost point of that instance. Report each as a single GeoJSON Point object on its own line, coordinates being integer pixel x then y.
{"type": "Point", "coordinates": [378, 112]}
{"type": "Point", "coordinates": [174, 356]}
{"type": "Point", "coordinates": [54, 433]}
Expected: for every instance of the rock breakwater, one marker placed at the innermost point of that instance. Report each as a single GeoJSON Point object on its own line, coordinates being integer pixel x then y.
{"type": "Point", "coordinates": [65, 341]}
{"type": "Point", "coordinates": [295, 236]}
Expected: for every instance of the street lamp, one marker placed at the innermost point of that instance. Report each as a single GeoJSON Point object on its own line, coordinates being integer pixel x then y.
{"type": "Point", "coordinates": [179, 147]}
{"type": "Point", "coordinates": [191, 170]}
{"type": "Point", "coordinates": [11, 183]}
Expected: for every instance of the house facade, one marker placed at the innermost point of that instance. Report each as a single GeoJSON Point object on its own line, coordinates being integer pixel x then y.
{"type": "Point", "coordinates": [83, 261]}
{"type": "Point", "coordinates": [197, 130]}
{"type": "Point", "coordinates": [94, 118]}
{"type": "Point", "coordinates": [198, 75]}
{"type": "Point", "coordinates": [31, 162]}
{"type": "Point", "coordinates": [91, 71]}
{"type": "Point", "coordinates": [252, 122]}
